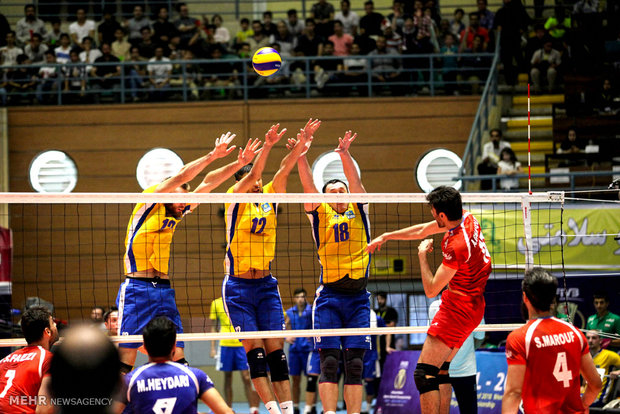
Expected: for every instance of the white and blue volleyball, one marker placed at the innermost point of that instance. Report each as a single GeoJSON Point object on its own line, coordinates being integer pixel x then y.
{"type": "Point", "coordinates": [266, 61]}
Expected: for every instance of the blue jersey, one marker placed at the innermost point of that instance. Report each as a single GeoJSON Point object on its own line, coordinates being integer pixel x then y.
{"type": "Point", "coordinates": [167, 387]}
{"type": "Point", "coordinates": [300, 323]}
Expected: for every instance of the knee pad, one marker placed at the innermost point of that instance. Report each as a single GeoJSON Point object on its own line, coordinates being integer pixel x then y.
{"type": "Point", "coordinates": [278, 366]}
{"type": "Point", "coordinates": [422, 383]}
{"type": "Point", "coordinates": [329, 365]}
{"type": "Point", "coordinates": [311, 383]}
{"type": "Point", "coordinates": [353, 366]}
{"type": "Point", "coordinates": [257, 363]}
{"type": "Point", "coordinates": [444, 378]}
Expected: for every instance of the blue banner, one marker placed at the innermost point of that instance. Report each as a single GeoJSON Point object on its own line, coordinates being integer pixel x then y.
{"type": "Point", "coordinates": [398, 393]}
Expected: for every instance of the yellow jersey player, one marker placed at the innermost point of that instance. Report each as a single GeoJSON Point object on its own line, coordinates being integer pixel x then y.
{"type": "Point", "coordinates": [341, 233]}
{"type": "Point", "coordinates": [146, 291]}
{"type": "Point", "coordinates": [249, 290]}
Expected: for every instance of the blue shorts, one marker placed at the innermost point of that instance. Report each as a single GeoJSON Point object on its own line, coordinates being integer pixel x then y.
{"type": "Point", "coordinates": [297, 362]}
{"type": "Point", "coordinates": [313, 366]}
{"type": "Point", "coordinates": [334, 310]}
{"type": "Point", "coordinates": [372, 368]}
{"type": "Point", "coordinates": [232, 358]}
{"type": "Point", "coordinates": [253, 304]}
{"type": "Point", "coordinates": [139, 301]}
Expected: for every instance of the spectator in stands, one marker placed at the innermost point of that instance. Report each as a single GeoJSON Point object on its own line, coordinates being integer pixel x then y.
{"type": "Point", "coordinates": [108, 27]}
{"type": "Point", "coordinates": [605, 362]}
{"type": "Point", "coordinates": [190, 75]}
{"type": "Point", "coordinates": [21, 81]}
{"type": "Point", "coordinates": [545, 61]}
{"type": "Point", "coordinates": [443, 30]}
{"type": "Point", "coordinates": [96, 315]}
{"type": "Point", "coordinates": [135, 73]}
{"type": "Point", "coordinates": [35, 49]}
{"type": "Point", "coordinates": [486, 15]}
{"type": "Point", "coordinates": [110, 319]}
{"type": "Point", "coordinates": [269, 28]}
{"type": "Point", "coordinates": [81, 28]}
{"type": "Point", "coordinates": [147, 46]}
{"type": "Point", "coordinates": [571, 145]}
{"type": "Point", "coordinates": [604, 320]}
{"type": "Point", "coordinates": [75, 79]}
{"type": "Point", "coordinates": [89, 54]}
{"type": "Point", "coordinates": [431, 7]}
{"type": "Point", "coordinates": [310, 43]}
{"type": "Point", "coordinates": [473, 29]}
{"type": "Point", "coordinates": [218, 74]}
{"type": "Point", "coordinates": [393, 39]}
{"type": "Point", "coordinates": [508, 165]}
{"type": "Point", "coordinates": [606, 100]}
{"type": "Point", "coordinates": [449, 63]}
{"type": "Point", "coordinates": [370, 23]}
{"type": "Point", "coordinates": [326, 70]}
{"type": "Point", "coordinates": [386, 66]}
{"type": "Point", "coordinates": [29, 25]}
{"type": "Point", "coordinates": [284, 39]}
{"type": "Point", "coordinates": [490, 157]}
{"type": "Point", "coordinates": [323, 15]}
{"type": "Point", "coordinates": [5, 28]}
{"type": "Point", "coordinates": [457, 24]}
{"type": "Point", "coordinates": [244, 34]}
{"type": "Point", "coordinates": [535, 42]}
{"type": "Point", "coordinates": [121, 48]}
{"type": "Point", "coordinates": [355, 68]}
{"type": "Point", "coordinates": [105, 77]}
{"type": "Point", "coordinates": [173, 50]}
{"type": "Point", "coordinates": [62, 51]}
{"type": "Point", "coordinates": [53, 38]}
{"type": "Point", "coordinates": [396, 19]}
{"type": "Point", "coordinates": [84, 354]}
{"type": "Point", "coordinates": [10, 52]}
{"type": "Point", "coordinates": [221, 34]}
{"type": "Point", "coordinates": [294, 25]}
{"type": "Point", "coordinates": [558, 24]}
{"type": "Point", "coordinates": [136, 23]}
{"type": "Point", "coordinates": [586, 7]}
{"type": "Point", "coordinates": [258, 39]}
{"type": "Point", "coordinates": [511, 22]}
{"type": "Point", "coordinates": [160, 71]}
{"type": "Point", "coordinates": [350, 20]}
{"type": "Point", "coordinates": [163, 29]}
{"type": "Point", "coordinates": [341, 40]}
{"type": "Point", "coordinates": [185, 24]}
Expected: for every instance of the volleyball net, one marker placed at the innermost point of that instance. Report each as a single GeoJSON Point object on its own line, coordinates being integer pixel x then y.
{"type": "Point", "coordinates": [68, 250]}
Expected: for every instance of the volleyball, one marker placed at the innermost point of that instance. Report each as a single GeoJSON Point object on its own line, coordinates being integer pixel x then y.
{"type": "Point", "coordinates": [266, 61]}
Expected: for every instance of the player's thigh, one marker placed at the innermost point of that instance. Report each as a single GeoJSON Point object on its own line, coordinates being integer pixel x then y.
{"type": "Point", "coordinates": [327, 315]}
{"type": "Point", "coordinates": [356, 314]}
{"type": "Point", "coordinates": [269, 305]}
{"type": "Point", "coordinates": [239, 307]}
{"type": "Point", "coordinates": [434, 351]}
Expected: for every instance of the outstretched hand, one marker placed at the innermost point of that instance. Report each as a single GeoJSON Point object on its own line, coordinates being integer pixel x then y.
{"type": "Point", "coordinates": [221, 148]}
{"type": "Point", "coordinates": [302, 139]}
{"type": "Point", "coordinates": [247, 154]}
{"type": "Point", "coordinates": [311, 127]}
{"type": "Point", "coordinates": [345, 143]}
{"type": "Point", "coordinates": [375, 244]}
{"type": "Point", "coordinates": [273, 136]}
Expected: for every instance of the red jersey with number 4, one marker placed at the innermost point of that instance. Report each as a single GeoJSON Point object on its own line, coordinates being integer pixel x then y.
{"type": "Point", "coordinates": [551, 350]}
{"type": "Point", "coordinates": [21, 374]}
{"type": "Point", "coordinates": [464, 249]}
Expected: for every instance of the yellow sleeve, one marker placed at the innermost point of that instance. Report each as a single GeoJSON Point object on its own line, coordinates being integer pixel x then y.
{"type": "Point", "coordinates": [213, 312]}
{"type": "Point", "coordinates": [268, 188]}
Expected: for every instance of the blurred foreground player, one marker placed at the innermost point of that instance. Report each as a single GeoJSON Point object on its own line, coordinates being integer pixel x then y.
{"type": "Point", "coordinates": [546, 356]}
{"type": "Point", "coordinates": [26, 371]}
{"type": "Point", "coordinates": [465, 269]}
{"type": "Point", "coordinates": [163, 386]}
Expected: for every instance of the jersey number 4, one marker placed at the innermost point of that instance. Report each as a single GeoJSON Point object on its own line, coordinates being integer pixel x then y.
{"type": "Point", "coordinates": [164, 405]}
{"type": "Point", "coordinates": [341, 232]}
{"type": "Point", "coordinates": [560, 370]}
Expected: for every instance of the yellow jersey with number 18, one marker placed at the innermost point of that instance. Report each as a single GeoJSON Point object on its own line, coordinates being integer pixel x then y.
{"type": "Point", "coordinates": [341, 240]}
{"type": "Point", "coordinates": [250, 234]}
{"type": "Point", "coordinates": [149, 235]}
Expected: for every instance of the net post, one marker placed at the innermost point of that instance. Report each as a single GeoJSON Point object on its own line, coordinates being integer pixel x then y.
{"type": "Point", "coordinates": [526, 208]}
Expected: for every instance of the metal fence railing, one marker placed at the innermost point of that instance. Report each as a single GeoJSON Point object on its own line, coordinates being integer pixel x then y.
{"type": "Point", "coordinates": [299, 77]}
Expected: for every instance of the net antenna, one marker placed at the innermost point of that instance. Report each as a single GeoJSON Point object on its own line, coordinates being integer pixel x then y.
{"type": "Point", "coordinates": [529, 137]}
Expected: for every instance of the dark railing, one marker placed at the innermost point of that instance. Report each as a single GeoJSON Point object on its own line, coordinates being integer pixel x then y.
{"type": "Point", "coordinates": [235, 79]}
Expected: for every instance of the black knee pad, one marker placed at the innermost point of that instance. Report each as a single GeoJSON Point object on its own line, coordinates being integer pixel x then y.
{"type": "Point", "coordinates": [422, 383]}
{"type": "Point", "coordinates": [329, 365]}
{"type": "Point", "coordinates": [278, 366]}
{"type": "Point", "coordinates": [353, 366]}
{"type": "Point", "coordinates": [257, 363]}
{"type": "Point", "coordinates": [444, 378]}
{"type": "Point", "coordinates": [311, 383]}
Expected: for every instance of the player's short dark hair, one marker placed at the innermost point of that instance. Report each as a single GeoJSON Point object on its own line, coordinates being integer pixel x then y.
{"type": "Point", "coordinates": [34, 322]}
{"type": "Point", "coordinates": [382, 293]}
{"type": "Point", "coordinates": [499, 132]}
{"type": "Point", "coordinates": [291, 12]}
{"type": "Point", "coordinates": [459, 10]}
{"type": "Point", "coordinates": [540, 288]}
{"type": "Point", "coordinates": [299, 290]}
{"type": "Point", "coordinates": [101, 308]}
{"type": "Point", "coordinates": [106, 315]}
{"type": "Point", "coordinates": [334, 181]}
{"type": "Point", "coordinates": [267, 13]}
{"type": "Point", "coordinates": [28, 6]}
{"type": "Point", "coordinates": [601, 294]}
{"type": "Point", "coordinates": [244, 20]}
{"type": "Point", "coordinates": [446, 200]}
{"type": "Point", "coordinates": [243, 171]}
{"type": "Point", "coordinates": [160, 335]}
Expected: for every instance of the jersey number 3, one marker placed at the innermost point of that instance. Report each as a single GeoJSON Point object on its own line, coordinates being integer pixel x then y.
{"type": "Point", "coordinates": [560, 370]}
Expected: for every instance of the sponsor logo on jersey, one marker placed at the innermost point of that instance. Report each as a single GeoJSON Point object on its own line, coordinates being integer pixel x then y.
{"type": "Point", "coordinates": [350, 214]}
{"type": "Point", "coordinates": [446, 256]}
{"type": "Point", "coordinates": [266, 207]}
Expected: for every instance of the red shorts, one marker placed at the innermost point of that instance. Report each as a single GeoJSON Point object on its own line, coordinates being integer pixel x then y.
{"type": "Point", "coordinates": [457, 317]}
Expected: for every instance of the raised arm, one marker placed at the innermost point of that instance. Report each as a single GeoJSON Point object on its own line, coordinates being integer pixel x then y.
{"type": "Point", "coordinates": [193, 168]}
{"type": "Point", "coordinates": [415, 232]}
{"type": "Point", "coordinates": [288, 162]}
{"type": "Point", "coordinates": [355, 182]}
{"type": "Point", "coordinates": [271, 138]}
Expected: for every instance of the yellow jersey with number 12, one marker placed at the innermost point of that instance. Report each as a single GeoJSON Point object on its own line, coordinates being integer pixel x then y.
{"type": "Point", "coordinates": [250, 234]}
{"type": "Point", "coordinates": [341, 240]}
{"type": "Point", "coordinates": [149, 235]}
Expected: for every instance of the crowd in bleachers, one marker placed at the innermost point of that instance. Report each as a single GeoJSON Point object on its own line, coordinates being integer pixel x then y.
{"type": "Point", "coordinates": [399, 44]}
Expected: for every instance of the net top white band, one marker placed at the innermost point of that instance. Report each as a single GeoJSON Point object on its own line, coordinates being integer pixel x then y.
{"type": "Point", "coordinates": [117, 198]}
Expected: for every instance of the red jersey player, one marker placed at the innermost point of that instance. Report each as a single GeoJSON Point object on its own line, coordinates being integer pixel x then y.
{"type": "Point", "coordinates": [546, 356]}
{"type": "Point", "coordinates": [465, 269]}
{"type": "Point", "coordinates": [23, 371]}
